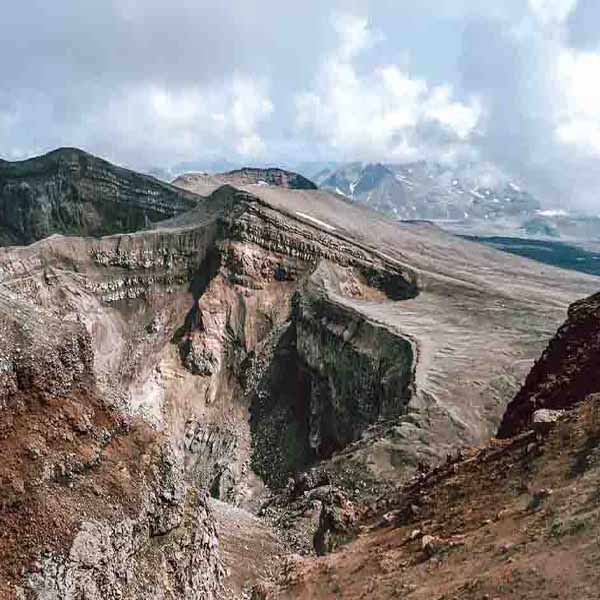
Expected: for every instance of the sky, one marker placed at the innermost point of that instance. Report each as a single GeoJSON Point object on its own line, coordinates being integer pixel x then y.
{"type": "Point", "coordinates": [513, 86]}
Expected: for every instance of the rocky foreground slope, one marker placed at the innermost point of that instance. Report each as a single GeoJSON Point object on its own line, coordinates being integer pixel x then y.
{"type": "Point", "coordinates": [516, 519]}
{"type": "Point", "coordinates": [268, 333]}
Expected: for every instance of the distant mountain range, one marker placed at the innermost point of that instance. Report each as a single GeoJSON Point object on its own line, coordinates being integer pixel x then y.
{"type": "Point", "coordinates": [424, 190]}
{"type": "Point", "coordinates": [464, 200]}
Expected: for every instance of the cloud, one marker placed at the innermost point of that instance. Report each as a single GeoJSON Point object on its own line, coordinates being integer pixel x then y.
{"type": "Point", "coordinates": [579, 124]}
{"type": "Point", "coordinates": [377, 113]}
{"type": "Point", "coordinates": [552, 11]}
{"type": "Point", "coordinates": [150, 83]}
{"type": "Point", "coordinates": [250, 107]}
{"type": "Point", "coordinates": [185, 121]}
{"type": "Point", "coordinates": [540, 96]}
{"type": "Point", "coordinates": [508, 85]}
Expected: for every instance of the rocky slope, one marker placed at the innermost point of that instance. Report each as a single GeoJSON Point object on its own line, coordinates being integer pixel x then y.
{"type": "Point", "coordinates": [516, 519]}
{"type": "Point", "coordinates": [287, 352]}
{"type": "Point", "coordinates": [566, 372]}
{"type": "Point", "coordinates": [204, 184]}
{"type": "Point", "coordinates": [71, 192]}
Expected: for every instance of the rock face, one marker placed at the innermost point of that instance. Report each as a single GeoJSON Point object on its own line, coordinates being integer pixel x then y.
{"type": "Point", "coordinates": [265, 331]}
{"type": "Point", "coordinates": [331, 374]}
{"type": "Point", "coordinates": [93, 504]}
{"type": "Point", "coordinates": [566, 372]}
{"type": "Point", "coordinates": [70, 192]}
{"type": "Point", "coordinates": [203, 183]}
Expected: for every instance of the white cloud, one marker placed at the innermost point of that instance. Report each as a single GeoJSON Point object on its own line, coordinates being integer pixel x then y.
{"type": "Point", "coordinates": [579, 76]}
{"type": "Point", "coordinates": [460, 118]}
{"type": "Point", "coordinates": [376, 114]}
{"type": "Point", "coordinates": [189, 121]}
{"type": "Point", "coordinates": [249, 108]}
{"type": "Point", "coordinates": [552, 11]}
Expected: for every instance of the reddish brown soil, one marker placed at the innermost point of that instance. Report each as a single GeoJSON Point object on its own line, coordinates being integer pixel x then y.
{"type": "Point", "coordinates": [64, 460]}
{"type": "Point", "coordinates": [498, 541]}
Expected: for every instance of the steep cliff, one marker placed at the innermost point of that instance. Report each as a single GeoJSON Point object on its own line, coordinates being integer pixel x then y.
{"type": "Point", "coordinates": [265, 332]}
{"type": "Point", "coordinates": [565, 373]}
{"type": "Point", "coordinates": [71, 192]}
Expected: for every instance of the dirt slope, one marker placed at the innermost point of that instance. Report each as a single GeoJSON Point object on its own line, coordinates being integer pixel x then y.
{"type": "Point", "coordinates": [519, 519]}
{"type": "Point", "coordinates": [266, 332]}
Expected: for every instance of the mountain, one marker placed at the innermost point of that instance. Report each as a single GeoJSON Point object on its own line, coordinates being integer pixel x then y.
{"type": "Point", "coordinates": [308, 169]}
{"type": "Point", "coordinates": [204, 183]}
{"type": "Point", "coordinates": [186, 407]}
{"type": "Point", "coordinates": [503, 215]}
{"type": "Point", "coordinates": [71, 192]}
{"type": "Point", "coordinates": [425, 190]}
{"type": "Point", "coordinates": [168, 173]}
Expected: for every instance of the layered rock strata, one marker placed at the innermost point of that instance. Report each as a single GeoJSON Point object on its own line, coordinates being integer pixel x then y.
{"type": "Point", "coordinates": [68, 191]}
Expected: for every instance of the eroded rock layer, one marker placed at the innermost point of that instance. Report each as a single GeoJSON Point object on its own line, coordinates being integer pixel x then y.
{"type": "Point", "coordinates": [68, 191]}
{"type": "Point", "coordinates": [263, 333]}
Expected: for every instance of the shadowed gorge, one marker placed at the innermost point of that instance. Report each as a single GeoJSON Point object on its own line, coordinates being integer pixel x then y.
{"type": "Point", "coordinates": [245, 376]}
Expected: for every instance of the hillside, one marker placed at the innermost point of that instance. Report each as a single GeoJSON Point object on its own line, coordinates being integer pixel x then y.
{"type": "Point", "coordinates": [518, 518]}
{"type": "Point", "coordinates": [68, 191]}
{"type": "Point", "coordinates": [284, 351]}
{"type": "Point", "coordinates": [204, 184]}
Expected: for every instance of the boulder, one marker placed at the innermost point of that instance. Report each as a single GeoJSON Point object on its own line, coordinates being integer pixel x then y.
{"type": "Point", "coordinates": [545, 419]}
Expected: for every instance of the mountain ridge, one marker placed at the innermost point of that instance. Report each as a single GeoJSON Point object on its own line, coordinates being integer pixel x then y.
{"type": "Point", "coordinates": [205, 184]}
{"type": "Point", "coordinates": [295, 356]}
{"type": "Point", "coordinates": [69, 191]}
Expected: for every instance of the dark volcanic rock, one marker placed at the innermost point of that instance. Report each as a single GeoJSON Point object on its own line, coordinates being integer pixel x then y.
{"type": "Point", "coordinates": [566, 373]}
{"type": "Point", "coordinates": [277, 177]}
{"type": "Point", "coordinates": [203, 183]}
{"type": "Point", "coordinates": [71, 192]}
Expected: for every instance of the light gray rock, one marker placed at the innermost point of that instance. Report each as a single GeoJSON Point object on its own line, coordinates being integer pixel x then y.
{"type": "Point", "coordinates": [545, 419]}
